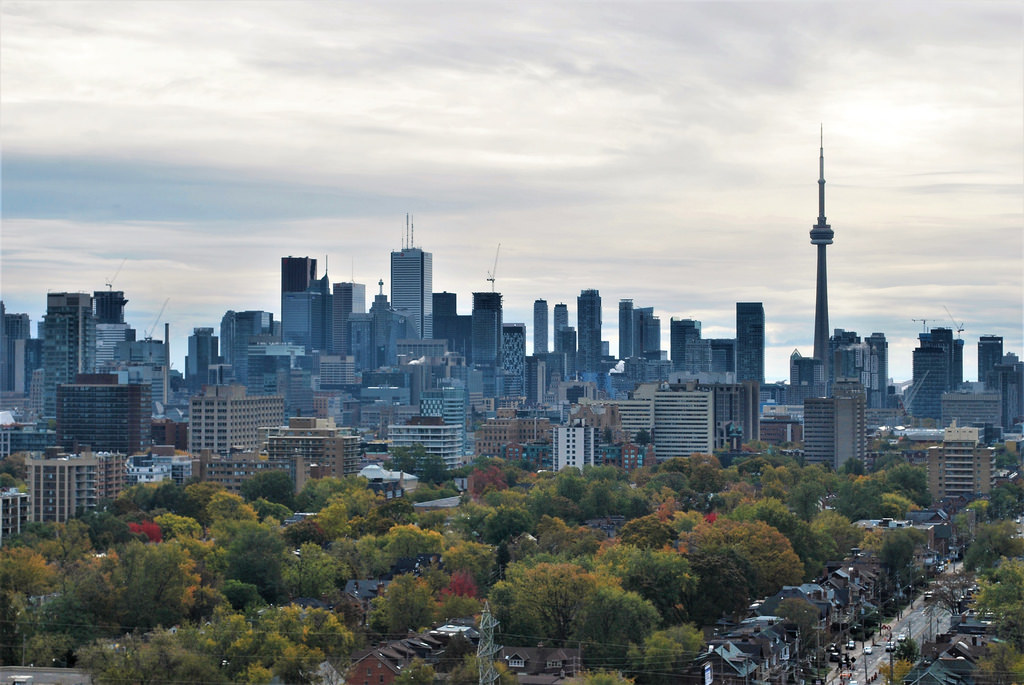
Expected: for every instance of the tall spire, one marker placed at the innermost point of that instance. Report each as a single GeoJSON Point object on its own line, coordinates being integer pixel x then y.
{"type": "Point", "coordinates": [821, 236]}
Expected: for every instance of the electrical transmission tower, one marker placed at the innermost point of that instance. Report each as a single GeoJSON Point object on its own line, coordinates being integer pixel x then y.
{"type": "Point", "coordinates": [486, 648]}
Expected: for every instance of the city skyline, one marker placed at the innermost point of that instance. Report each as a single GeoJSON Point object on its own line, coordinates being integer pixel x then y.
{"type": "Point", "coordinates": [665, 156]}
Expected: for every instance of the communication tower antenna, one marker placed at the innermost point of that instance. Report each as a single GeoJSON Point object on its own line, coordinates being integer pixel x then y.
{"type": "Point", "coordinates": [412, 231]}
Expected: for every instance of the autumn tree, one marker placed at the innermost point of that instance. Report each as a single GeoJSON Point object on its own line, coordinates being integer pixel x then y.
{"type": "Point", "coordinates": [610, 620]}
{"type": "Point", "coordinates": [768, 552]}
{"type": "Point", "coordinates": [663, 577]}
{"type": "Point", "coordinates": [993, 541]}
{"type": "Point", "coordinates": [542, 600]}
{"type": "Point", "coordinates": [647, 532]}
{"type": "Point", "coordinates": [1002, 595]}
{"type": "Point", "coordinates": [407, 604]}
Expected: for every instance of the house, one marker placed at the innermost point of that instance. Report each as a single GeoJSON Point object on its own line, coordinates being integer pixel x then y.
{"type": "Point", "coordinates": [541, 665]}
{"type": "Point", "coordinates": [373, 667]}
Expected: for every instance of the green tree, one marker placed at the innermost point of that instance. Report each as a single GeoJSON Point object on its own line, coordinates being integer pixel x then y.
{"type": "Point", "coordinates": [407, 604]}
{"type": "Point", "coordinates": [416, 673]}
{"type": "Point", "coordinates": [908, 651]}
{"type": "Point", "coordinates": [256, 555]}
{"type": "Point", "coordinates": [610, 620]}
{"type": "Point", "coordinates": [1002, 595]}
{"type": "Point", "coordinates": [1002, 664]}
{"type": "Point", "coordinates": [662, 577]}
{"type": "Point", "coordinates": [993, 541]}
{"type": "Point", "coordinates": [157, 582]}
{"type": "Point", "coordinates": [159, 659]}
{"type": "Point", "coordinates": [664, 653]}
{"type": "Point", "coordinates": [173, 526]}
{"type": "Point", "coordinates": [273, 485]}
{"type": "Point", "coordinates": [647, 532]}
{"type": "Point", "coordinates": [311, 572]}
{"type": "Point", "coordinates": [542, 600]}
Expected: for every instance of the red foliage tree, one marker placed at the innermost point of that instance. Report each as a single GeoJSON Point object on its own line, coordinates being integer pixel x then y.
{"type": "Point", "coordinates": [461, 584]}
{"type": "Point", "coordinates": [149, 529]}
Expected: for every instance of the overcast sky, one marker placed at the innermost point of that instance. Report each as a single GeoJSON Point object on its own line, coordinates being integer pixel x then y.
{"type": "Point", "coordinates": [665, 152]}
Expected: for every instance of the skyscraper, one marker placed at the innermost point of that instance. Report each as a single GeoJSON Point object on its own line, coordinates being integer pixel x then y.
{"type": "Point", "coordinates": [349, 298]}
{"type": "Point", "coordinates": [990, 353]}
{"type": "Point", "coordinates": [685, 347]}
{"type": "Point", "coordinates": [297, 274]}
{"type": "Point", "coordinates": [588, 325]}
{"type": "Point", "coordinates": [938, 367]}
{"type": "Point", "coordinates": [513, 358]}
{"type": "Point", "coordinates": [236, 331]}
{"type": "Point", "coordinates": [878, 385]}
{"type": "Point", "coordinates": [750, 342]}
{"type": "Point", "coordinates": [307, 317]}
{"type": "Point", "coordinates": [625, 329]}
{"type": "Point", "coordinates": [69, 343]}
{"type": "Point", "coordinates": [540, 327]}
{"type": "Point", "coordinates": [108, 306]}
{"type": "Point", "coordinates": [487, 329]}
{"type": "Point", "coordinates": [412, 288]}
{"type": "Point", "coordinates": [560, 320]}
{"type": "Point", "coordinates": [821, 236]}
{"type": "Point", "coordinates": [202, 353]}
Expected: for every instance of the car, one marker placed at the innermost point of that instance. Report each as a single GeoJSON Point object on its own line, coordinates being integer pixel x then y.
{"type": "Point", "coordinates": [889, 646]}
{"type": "Point", "coordinates": [929, 595]}
{"type": "Point", "coordinates": [833, 656]}
{"type": "Point", "coordinates": [851, 645]}
{"type": "Point", "coordinates": [902, 637]}
{"type": "Point", "coordinates": [868, 649]}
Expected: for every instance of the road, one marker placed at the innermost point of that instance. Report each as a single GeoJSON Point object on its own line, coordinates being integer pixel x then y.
{"type": "Point", "coordinates": [921, 621]}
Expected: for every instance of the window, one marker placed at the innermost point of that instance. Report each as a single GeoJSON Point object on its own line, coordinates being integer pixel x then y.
{"type": "Point", "coordinates": [516, 662]}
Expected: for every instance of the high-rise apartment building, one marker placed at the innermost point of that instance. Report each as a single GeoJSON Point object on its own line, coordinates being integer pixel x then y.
{"type": "Point", "coordinates": [69, 343]}
{"type": "Point", "coordinates": [559, 320]}
{"type": "Point", "coordinates": [225, 419]}
{"type": "Point", "coordinates": [806, 378]}
{"type": "Point", "coordinates": [451, 326]}
{"type": "Point", "coordinates": [323, 448]}
{"type": "Point", "coordinates": [626, 329]}
{"type": "Point", "coordinates": [990, 353]}
{"type": "Point", "coordinates": [451, 403]}
{"type": "Point", "coordinates": [750, 342]}
{"type": "Point", "coordinates": [961, 466]}
{"type": "Point", "coordinates": [98, 412]}
{"type": "Point", "coordinates": [835, 428]}
{"type": "Point", "coordinates": [573, 446]}
{"type": "Point", "coordinates": [877, 387]}
{"type": "Point", "coordinates": [437, 438]}
{"type": "Point", "coordinates": [348, 299]}
{"type": "Point", "coordinates": [540, 327]}
{"type": "Point", "coordinates": [513, 358]}
{"type": "Point", "coordinates": [61, 486]}
{"type": "Point", "coordinates": [412, 288]}
{"type": "Point", "coordinates": [15, 329]}
{"type": "Point", "coordinates": [646, 333]}
{"type": "Point", "coordinates": [588, 328]}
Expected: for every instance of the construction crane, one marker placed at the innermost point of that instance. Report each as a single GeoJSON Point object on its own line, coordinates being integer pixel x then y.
{"type": "Point", "coordinates": [493, 273]}
{"type": "Point", "coordinates": [149, 332]}
{"type": "Point", "coordinates": [924, 324]}
{"type": "Point", "coordinates": [110, 281]}
{"type": "Point", "coordinates": [958, 326]}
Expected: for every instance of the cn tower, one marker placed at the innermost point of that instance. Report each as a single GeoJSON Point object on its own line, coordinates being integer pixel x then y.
{"type": "Point", "coordinates": [821, 235]}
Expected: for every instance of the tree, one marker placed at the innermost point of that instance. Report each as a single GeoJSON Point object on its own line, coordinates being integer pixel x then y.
{"type": "Point", "coordinates": [542, 600]}
{"type": "Point", "coordinates": [647, 532]}
{"type": "Point", "coordinates": [416, 673]}
{"type": "Point", "coordinates": [610, 620]}
{"type": "Point", "coordinates": [311, 572]}
{"type": "Point", "coordinates": [256, 555]}
{"type": "Point", "coordinates": [174, 526]}
{"type": "Point", "coordinates": [1002, 595]}
{"type": "Point", "coordinates": [406, 604]}
{"type": "Point", "coordinates": [950, 590]}
{"type": "Point", "coordinates": [835, 533]}
{"type": "Point", "coordinates": [768, 552]}
{"type": "Point", "coordinates": [908, 651]}
{"type": "Point", "coordinates": [896, 674]}
{"type": "Point", "coordinates": [663, 577]}
{"type": "Point", "coordinates": [273, 485]}
{"type": "Point", "coordinates": [725, 584]}
{"type": "Point", "coordinates": [805, 616]}
{"type": "Point", "coordinates": [664, 653]}
{"type": "Point", "coordinates": [159, 659]}
{"type": "Point", "coordinates": [993, 541]}
{"type": "Point", "coordinates": [157, 584]}
{"type": "Point", "coordinates": [1002, 664]}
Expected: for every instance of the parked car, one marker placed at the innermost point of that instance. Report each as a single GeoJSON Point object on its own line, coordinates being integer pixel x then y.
{"type": "Point", "coordinates": [868, 649]}
{"type": "Point", "coordinates": [833, 656]}
{"type": "Point", "coordinates": [889, 646]}
{"type": "Point", "coordinates": [851, 645]}
{"type": "Point", "coordinates": [902, 637]}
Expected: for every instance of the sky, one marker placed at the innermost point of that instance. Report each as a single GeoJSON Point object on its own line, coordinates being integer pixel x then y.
{"type": "Point", "coordinates": [665, 152]}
